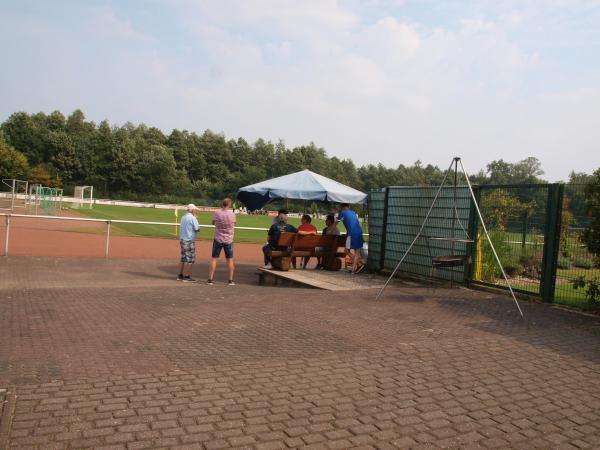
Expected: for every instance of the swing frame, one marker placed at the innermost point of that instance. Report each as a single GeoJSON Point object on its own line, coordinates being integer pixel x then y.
{"type": "Point", "coordinates": [448, 259]}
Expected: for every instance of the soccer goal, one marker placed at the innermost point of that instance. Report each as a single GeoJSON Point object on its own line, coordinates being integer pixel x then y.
{"type": "Point", "coordinates": [83, 195]}
{"type": "Point", "coordinates": [13, 194]}
{"type": "Point", "coordinates": [46, 200]}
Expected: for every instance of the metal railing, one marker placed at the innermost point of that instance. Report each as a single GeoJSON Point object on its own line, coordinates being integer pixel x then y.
{"type": "Point", "coordinates": [108, 223]}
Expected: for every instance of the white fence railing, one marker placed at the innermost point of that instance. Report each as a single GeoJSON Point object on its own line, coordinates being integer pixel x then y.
{"type": "Point", "coordinates": [108, 223]}
{"type": "Point", "coordinates": [105, 221]}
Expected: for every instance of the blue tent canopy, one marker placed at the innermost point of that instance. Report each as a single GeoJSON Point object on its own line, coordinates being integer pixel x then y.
{"type": "Point", "coordinates": [303, 185]}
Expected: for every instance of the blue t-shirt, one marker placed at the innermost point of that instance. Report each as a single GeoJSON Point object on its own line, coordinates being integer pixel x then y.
{"type": "Point", "coordinates": [350, 220]}
{"type": "Point", "coordinates": [188, 227]}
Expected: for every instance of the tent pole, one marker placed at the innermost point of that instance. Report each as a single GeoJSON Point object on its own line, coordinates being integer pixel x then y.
{"type": "Point", "coordinates": [418, 233]}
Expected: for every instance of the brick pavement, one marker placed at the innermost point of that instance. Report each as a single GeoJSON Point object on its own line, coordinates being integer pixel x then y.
{"type": "Point", "coordinates": [118, 355]}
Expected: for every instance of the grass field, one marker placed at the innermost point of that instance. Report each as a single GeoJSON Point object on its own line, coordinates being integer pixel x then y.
{"type": "Point", "coordinates": [167, 215]}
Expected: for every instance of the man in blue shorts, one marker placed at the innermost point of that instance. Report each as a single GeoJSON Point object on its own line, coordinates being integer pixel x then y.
{"type": "Point", "coordinates": [188, 227]}
{"type": "Point", "coordinates": [355, 235]}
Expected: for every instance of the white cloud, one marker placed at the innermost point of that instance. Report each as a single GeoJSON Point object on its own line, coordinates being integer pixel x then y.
{"type": "Point", "coordinates": [390, 88]}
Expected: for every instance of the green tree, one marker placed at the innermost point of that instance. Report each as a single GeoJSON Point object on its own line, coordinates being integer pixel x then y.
{"type": "Point", "coordinates": [591, 234]}
{"type": "Point", "coordinates": [13, 164]}
{"type": "Point", "coordinates": [499, 207]}
{"type": "Point", "coordinates": [575, 191]}
{"type": "Point", "coordinates": [156, 171]}
{"type": "Point", "coordinates": [27, 134]}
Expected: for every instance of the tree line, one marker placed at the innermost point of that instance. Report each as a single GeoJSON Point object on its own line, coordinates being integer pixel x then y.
{"type": "Point", "coordinates": [138, 162]}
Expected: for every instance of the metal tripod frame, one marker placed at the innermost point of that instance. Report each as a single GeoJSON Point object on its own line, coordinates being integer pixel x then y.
{"type": "Point", "coordinates": [455, 161]}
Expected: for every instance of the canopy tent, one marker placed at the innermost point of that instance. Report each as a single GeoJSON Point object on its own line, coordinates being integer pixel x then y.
{"type": "Point", "coordinates": [303, 185]}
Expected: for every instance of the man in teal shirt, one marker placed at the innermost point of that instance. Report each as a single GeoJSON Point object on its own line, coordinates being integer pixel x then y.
{"type": "Point", "coordinates": [188, 228]}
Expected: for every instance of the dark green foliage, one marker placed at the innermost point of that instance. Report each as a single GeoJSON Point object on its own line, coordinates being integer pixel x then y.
{"type": "Point", "coordinates": [591, 235]}
{"type": "Point", "coordinates": [490, 268]}
{"type": "Point", "coordinates": [13, 164]}
{"type": "Point", "coordinates": [592, 289]}
{"type": "Point", "coordinates": [563, 263]}
{"type": "Point", "coordinates": [512, 267]}
{"type": "Point", "coordinates": [583, 263]}
{"type": "Point", "coordinates": [141, 163]}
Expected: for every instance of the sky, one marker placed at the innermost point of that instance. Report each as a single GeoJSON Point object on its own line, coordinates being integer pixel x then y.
{"type": "Point", "coordinates": [372, 80]}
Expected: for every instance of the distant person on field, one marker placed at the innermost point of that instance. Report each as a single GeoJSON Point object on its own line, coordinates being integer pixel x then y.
{"type": "Point", "coordinates": [355, 240]}
{"type": "Point", "coordinates": [330, 229]}
{"type": "Point", "coordinates": [188, 228]}
{"type": "Point", "coordinates": [305, 228]}
{"type": "Point", "coordinates": [275, 231]}
{"type": "Point", "coordinates": [224, 222]}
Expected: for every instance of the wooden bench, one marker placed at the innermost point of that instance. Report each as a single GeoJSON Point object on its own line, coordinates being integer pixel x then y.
{"type": "Point", "coordinates": [297, 245]}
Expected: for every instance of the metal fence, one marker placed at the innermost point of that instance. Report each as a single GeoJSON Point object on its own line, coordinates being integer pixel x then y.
{"type": "Point", "coordinates": [396, 214]}
{"type": "Point", "coordinates": [574, 261]}
{"type": "Point", "coordinates": [536, 230]}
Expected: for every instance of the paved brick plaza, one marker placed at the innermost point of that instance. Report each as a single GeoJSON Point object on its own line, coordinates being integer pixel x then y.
{"type": "Point", "coordinates": [118, 355]}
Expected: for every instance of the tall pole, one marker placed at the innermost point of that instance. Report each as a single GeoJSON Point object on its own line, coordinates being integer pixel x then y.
{"type": "Point", "coordinates": [7, 235]}
{"type": "Point", "coordinates": [454, 212]}
{"type": "Point", "coordinates": [107, 239]}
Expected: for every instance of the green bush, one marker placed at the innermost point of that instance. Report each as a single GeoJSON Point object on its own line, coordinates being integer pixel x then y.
{"type": "Point", "coordinates": [490, 269]}
{"type": "Point", "coordinates": [584, 263]}
{"type": "Point", "coordinates": [512, 266]}
{"type": "Point", "coordinates": [531, 265]}
{"type": "Point", "coordinates": [592, 289]}
{"type": "Point", "coordinates": [563, 263]}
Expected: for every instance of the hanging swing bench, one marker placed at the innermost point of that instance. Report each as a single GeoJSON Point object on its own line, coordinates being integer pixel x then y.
{"type": "Point", "coordinates": [444, 261]}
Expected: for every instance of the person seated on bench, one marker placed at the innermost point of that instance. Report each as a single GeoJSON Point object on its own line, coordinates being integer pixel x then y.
{"type": "Point", "coordinates": [330, 230]}
{"type": "Point", "coordinates": [305, 228]}
{"type": "Point", "coordinates": [276, 229]}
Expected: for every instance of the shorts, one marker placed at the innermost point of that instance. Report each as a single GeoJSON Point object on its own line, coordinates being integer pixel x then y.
{"type": "Point", "coordinates": [356, 242]}
{"type": "Point", "coordinates": [216, 250]}
{"type": "Point", "coordinates": [188, 251]}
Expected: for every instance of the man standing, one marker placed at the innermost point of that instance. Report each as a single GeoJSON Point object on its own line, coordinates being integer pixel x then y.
{"type": "Point", "coordinates": [279, 226]}
{"type": "Point", "coordinates": [355, 235]}
{"type": "Point", "coordinates": [224, 222]}
{"type": "Point", "coordinates": [188, 228]}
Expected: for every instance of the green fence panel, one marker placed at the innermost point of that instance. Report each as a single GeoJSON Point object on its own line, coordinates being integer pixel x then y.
{"type": "Point", "coordinates": [406, 210]}
{"type": "Point", "coordinates": [376, 217]}
{"type": "Point", "coordinates": [536, 230]}
{"type": "Point", "coordinates": [574, 259]}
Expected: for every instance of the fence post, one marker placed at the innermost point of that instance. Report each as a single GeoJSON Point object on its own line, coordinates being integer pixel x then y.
{"type": "Point", "coordinates": [107, 238]}
{"type": "Point", "coordinates": [473, 233]}
{"type": "Point", "coordinates": [7, 235]}
{"type": "Point", "coordinates": [551, 241]}
{"type": "Point", "coordinates": [384, 228]}
{"type": "Point", "coordinates": [524, 227]}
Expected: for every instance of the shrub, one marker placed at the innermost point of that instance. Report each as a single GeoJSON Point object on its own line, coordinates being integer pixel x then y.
{"type": "Point", "coordinates": [583, 263]}
{"type": "Point", "coordinates": [563, 263]}
{"type": "Point", "coordinates": [592, 289]}
{"type": "Point", "coordinates": [531, 266]}
{"type": "Point", "coordinates": [512, 267]}
{"type": "Point", "coordinates": [490, 269]}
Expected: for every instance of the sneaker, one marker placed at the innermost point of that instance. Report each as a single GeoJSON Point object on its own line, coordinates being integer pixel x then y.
{"type": "Point", "coordinates": [188, 279]}
{"type": "Point", "coordinates": [210, 282]}
{"type": "Point", "coordinates": [361, 268]}
{"type": "Point", "coordinates": [230, 283]}
{"type": "Point", "coordinates": [180, 277]}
